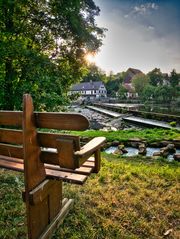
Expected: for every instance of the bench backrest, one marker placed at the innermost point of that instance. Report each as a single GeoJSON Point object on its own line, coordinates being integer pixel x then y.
{"type": "Point", "coordinates": [21, 138]}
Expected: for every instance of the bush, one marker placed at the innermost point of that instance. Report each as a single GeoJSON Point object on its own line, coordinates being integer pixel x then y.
{"type": "Point", "coordinates": [173, 124]}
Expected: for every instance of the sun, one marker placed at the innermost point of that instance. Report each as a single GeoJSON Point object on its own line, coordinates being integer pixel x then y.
{"type": "Point", "coordinates": [90, 58]}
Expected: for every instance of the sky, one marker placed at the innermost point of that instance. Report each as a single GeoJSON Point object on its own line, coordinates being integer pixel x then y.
{"type": "Point", "coordinates": [141, 34]}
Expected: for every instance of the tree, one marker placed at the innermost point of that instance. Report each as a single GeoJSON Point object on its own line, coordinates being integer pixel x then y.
{"type": "Point", "coordinates": [155, 77]}
{"type": "Point", "coordinates": [122, 92]}
{"type": "Point", "coordinates": [148, 92]}
{"type": "Point", "coordinates": [174, 78]}
{"type": "Point", "coordinates": [163, 94]}
{"type": "Point", "coordinates": [42, 48]}
{"type": "Point", "coordinates": [139, 82]}
{"type": "Point", "coordinates": [94, 74]}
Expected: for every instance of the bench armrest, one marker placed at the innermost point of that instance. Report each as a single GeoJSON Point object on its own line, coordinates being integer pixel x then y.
{"type": "Point", "coordinates": [90, 148]}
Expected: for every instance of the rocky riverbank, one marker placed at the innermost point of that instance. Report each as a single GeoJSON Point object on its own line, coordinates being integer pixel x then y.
{"type": "Point", "coordinates": [102, 122]}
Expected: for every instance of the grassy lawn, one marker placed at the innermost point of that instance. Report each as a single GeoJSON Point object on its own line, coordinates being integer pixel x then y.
{"type": "Point", "coordinates": [129, 198]}
{"type": "Point", "coordinates": [150, 135]}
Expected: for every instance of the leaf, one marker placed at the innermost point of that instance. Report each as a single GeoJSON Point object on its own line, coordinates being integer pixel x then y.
{"type": "Point", "coordinates": [168, 232]}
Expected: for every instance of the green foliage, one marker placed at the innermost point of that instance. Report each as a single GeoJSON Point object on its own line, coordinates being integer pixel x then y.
{"type": "Point", "coordinates": [156, 77]}
{"type": "Point", "coordinates": [163, 93]}
{"type": "Point", "coordinates": [122, 92]}
{"type": "Point", "coordinates": [148, 92]}
{"type": "Point", "coordinates": [94, 74]}
{"type": "Point", "coordinates": [113, 83]}
{"type": "Point", "coordinates": [43, 44]}
{"type": "Point", "coordinates": [174, 78]}
{"type": "Point", "coordinates": [139, 82]}
{"type": "Point", "coordinates": [173, 123]}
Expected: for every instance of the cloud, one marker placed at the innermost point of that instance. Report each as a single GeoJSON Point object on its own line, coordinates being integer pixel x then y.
{"type": "Point", "coordinates": [151, 28]}
{"type": "Point", "coordinates": [144, 39]}
{"type": "Point", "coordinates": [144, 8]}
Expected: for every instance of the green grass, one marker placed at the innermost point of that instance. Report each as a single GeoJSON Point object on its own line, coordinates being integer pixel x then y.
{"type": "Point", "coordinates": [129, 198]}
{"type": "Point", "coordinates": [150, 135]}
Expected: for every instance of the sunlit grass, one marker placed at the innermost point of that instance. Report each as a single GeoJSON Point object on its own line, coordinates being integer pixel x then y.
{"type": "Point", "coordinates": [129, 198]}
{"type": "Point", "coordinates": [150, 135]}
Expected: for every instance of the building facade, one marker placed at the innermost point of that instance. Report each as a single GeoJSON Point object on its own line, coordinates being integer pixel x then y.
{"type": "Point", "coordinates": [89, 90]}
{"type": "Point", "coordinates": [130, 74]}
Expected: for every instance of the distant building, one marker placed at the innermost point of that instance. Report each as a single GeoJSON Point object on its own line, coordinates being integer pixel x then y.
{"type": "Point", "coordinates": [89, 90]}
{"type": "Point", "coordinates": [127, 83]}
{"type": "Point", "coordinates": [130, 74]}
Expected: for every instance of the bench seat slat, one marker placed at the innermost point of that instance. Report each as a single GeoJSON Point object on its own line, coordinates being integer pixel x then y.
{"type": "Point", "coordinates": [52, 174]}
{"type": "Point", "coordinates": [82, 170]}
{"type": "Point", "coordinates": [15, 166]}
{"type": "Point", "coordinates": [66, 176]}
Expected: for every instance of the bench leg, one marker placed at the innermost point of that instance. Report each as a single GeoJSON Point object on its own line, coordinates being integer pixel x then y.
{"type": "Point", "coordinates": [97, 157]}
{"type": "Point", "coordinates": [66, 205]}
{"type": "Point", "coordinates": [45, 209]}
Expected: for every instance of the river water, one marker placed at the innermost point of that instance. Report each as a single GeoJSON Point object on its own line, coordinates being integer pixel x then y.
{"type": "Point", "coordinates": [161, 108]}
{"type": "Point", "coordinates": [134, 151]}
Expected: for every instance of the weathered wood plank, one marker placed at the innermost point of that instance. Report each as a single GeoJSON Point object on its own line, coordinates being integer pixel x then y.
{"type": "Point", "coordinates": [34, 172]}
{"type": "Point", "coordinates": [66, 176]}
{"type": "Point", "coordinates": [66, 153]}
{"type": "Point", "coordinates": [11, 150]}
{"type": "Point", "coordinates": [33, 168]}
{"type": "Point", "coordinates": [87, 150]}
{"type": "Point", "coordinates": [97, 156]}
{"type": "Point", "coordinates": [11, 136]}
{"type": "Point", "coordinates": [49, 120]}
{"type": "Point", "coordinates": [85, 170]}
{"type": "Point", "coordinates": [48, 140]}
{"type": "Point", "coordinates": [70, 177]}
{"type": "Point", "coordinates": [66, 205]}
{"type": "Point", "coordinates": [19, 167]}
{"type": "Point", "coordinates": [11, 118]}
{"type": "Point", "coordinates": [61, 121]}
{"type": "Point", "coordinates": [90, 147]}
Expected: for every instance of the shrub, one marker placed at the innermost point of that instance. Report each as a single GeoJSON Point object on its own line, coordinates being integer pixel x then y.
{"type": "Point", "coordinates": [173, 123]}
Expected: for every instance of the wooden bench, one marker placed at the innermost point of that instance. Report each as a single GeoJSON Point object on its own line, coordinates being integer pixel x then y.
{"type": "Point", "coordinates": [46, 159]}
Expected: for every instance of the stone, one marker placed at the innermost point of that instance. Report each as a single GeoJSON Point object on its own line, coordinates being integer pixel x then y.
{"type": "Point", "coordinates": [155, 154]}
{"type": "Point", "coordinates": [142, 149]}
{"type": "Point", "coordinates": [134, 144]}
{"type": "Point", "coordinates": [154, 145]}
{"type": "Point", "coordinates": [171, 148]}
{"type": "Point", "coordinates": [121, 146]}
{"type": "Point", "coordinates": [125, 151]}
{"type": "Point", "coordinates": [164, 143]}
{"type": "Point", "coordinates": [117, 151]}
{"type": "Point", "coordinates": [176, 143]}
{"type": "Point", "coordinates": [164, 153]}
{"type": "Point", "coordinates": [115, 143]}
{"type": "Point", "coordinates": [113, 129]}
{"type": "Point", "coordinates": [142, 145]}
{"type": "Point", "coordinates": [177, 157]}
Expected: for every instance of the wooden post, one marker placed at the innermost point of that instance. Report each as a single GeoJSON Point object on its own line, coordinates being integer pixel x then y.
{"type": "Point", "coordinates": [43, 197]}
{"type": "Point", "coordinates": [97, 156]}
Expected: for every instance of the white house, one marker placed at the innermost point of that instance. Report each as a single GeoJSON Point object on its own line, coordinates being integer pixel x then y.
{"type": "Point", "coordinates": [89, 90]}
